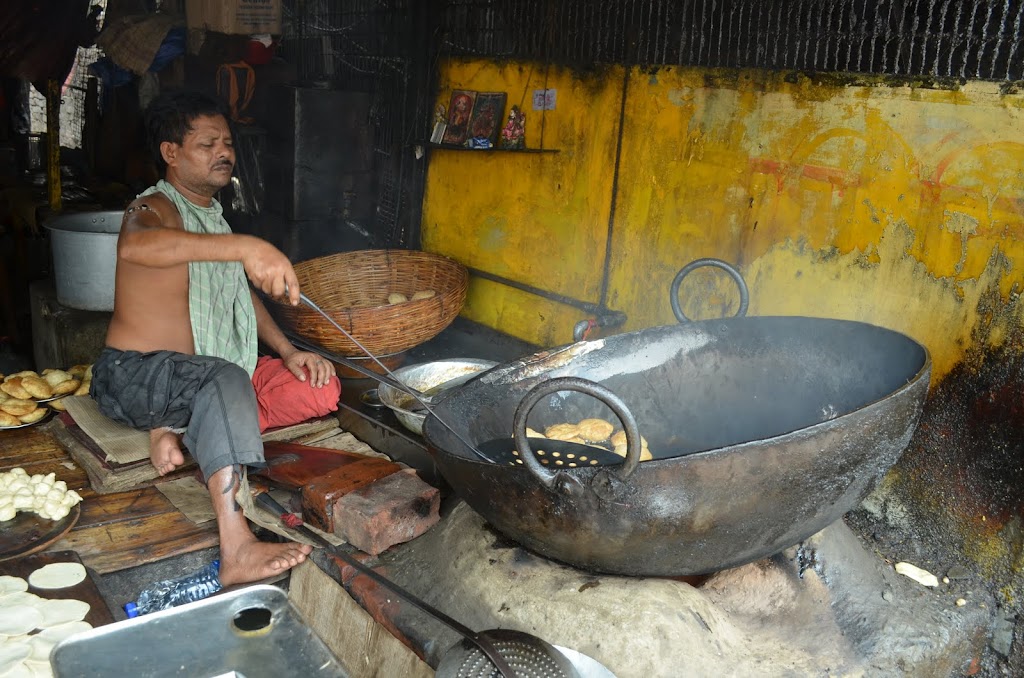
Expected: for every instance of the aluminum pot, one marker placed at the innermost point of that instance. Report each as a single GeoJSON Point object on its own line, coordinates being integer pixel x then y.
{"type": "Point", "coordinates": [763, 431]}
{"type": "Point", "coordinates": [425, 378]}
{"type": "Point", "coordinates": [84, 249]}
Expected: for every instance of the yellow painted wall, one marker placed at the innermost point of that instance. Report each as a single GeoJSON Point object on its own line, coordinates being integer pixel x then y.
{"type": "Point", "coordinates": [898, 206]}
{"type": "Point", "coordinates": [540, 219]}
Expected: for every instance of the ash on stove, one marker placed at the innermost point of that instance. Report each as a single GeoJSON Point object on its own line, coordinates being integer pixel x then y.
{"type": "Point", "coordinates": [827, 607]}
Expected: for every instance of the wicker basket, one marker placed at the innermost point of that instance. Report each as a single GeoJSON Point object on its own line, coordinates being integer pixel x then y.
{"type": "Point", "coordinates": [352, 287]}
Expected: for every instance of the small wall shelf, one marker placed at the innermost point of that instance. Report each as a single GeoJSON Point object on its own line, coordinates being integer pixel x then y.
{"type": "Point", "coordinates": [442, 147]}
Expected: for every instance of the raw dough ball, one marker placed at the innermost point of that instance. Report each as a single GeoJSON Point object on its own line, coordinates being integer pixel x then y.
{"type": "Point", "coordinates": [595, 430]}
{"type": "Point", "coordinates": [57, 576]}
{"type": "Point", "coordinates": [423, 294]}
{"type": "Point", "coordinates": [397, 298]}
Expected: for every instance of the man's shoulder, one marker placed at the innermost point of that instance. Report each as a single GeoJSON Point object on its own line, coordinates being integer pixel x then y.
{"type": "Point", "coordinates": [153, 203]}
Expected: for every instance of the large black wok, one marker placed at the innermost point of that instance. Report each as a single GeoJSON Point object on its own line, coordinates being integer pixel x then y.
{"type": "Point", "coordinates": [763, 430]}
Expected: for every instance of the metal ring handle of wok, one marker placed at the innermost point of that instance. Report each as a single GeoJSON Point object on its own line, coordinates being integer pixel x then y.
{"type": "Point", "coordinates": [701, 263]}
{"type": "Point", "coordinates": [550, 478]}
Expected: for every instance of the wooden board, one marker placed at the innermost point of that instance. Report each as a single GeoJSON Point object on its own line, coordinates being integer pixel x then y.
{"type": "Point", "coordinates": [27, 532]}
{"type": "Point", "coordinates": [99, 613]}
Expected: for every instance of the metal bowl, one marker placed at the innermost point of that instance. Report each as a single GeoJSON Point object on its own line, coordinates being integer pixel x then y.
{"type": "Point", "coordinates": [424, 377]}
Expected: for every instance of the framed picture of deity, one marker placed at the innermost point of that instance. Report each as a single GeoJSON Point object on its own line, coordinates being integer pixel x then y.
{"type": "Point", "coordinates": [459, 113]}
{"type": "Point", "coordinates": [485, 123]}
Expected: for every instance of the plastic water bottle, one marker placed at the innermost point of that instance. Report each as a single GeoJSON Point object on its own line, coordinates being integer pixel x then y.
{"type": "Point", "coordinates": [173, 592]}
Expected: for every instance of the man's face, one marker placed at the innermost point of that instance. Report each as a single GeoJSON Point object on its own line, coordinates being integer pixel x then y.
{"type": "Point", "coordinates": [204, 160]}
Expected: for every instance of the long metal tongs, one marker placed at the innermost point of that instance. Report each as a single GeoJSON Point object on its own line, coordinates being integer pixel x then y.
{"type": "Point", "coordinates": [394, 381]}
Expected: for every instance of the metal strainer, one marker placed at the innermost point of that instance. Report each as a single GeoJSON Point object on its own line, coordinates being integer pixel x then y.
{"type": "Point", "coordinates": [529, 657]}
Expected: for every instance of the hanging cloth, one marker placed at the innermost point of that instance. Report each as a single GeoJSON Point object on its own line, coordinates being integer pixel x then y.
{"type": "Point", "coordinates": [235, 84]}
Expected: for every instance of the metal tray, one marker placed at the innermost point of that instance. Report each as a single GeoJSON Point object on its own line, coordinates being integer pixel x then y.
{"type": "Point", "coordinates": [251, 633]}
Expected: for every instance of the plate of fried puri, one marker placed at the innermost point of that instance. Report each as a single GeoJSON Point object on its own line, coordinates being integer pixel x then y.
{"type": "Point", "coordinates": [28, 397]}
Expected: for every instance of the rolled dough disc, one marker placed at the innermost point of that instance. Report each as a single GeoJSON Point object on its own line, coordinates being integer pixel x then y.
{"type": "Point", "coordinates": [9, 584]}
{"type": "Point", "coordinates": [16, 620]}
{"type": "Point", "coordinates": [57, 576]}
{"type": "Point", "coordinates": [12, 654]}
{"type": "Point", "coordinates": [62, 611]}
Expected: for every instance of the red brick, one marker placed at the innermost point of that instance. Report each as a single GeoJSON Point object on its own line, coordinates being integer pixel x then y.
{"type": "Point", "coordinates": [389, 511]}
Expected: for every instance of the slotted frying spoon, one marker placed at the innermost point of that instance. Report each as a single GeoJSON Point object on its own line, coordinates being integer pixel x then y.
{"type": "Point", "coordinates": [477, 655]}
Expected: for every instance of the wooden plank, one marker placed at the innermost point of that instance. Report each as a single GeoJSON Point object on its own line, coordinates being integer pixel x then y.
{"type": "Point", "coordinates": [134, 505]}
{"type": "Point", "coordinates": [28, 446]}
{"type": "Point", "coordinates": [125, 544]}
{"type": "Point", "coordinates": [365, 648]}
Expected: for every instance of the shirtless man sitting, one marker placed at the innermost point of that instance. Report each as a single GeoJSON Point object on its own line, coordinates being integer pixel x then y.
{"type": "Point", "coordinates": [182, 343]}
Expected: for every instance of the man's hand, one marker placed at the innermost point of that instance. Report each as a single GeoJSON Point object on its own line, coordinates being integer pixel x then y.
{"type": "Point", "coordinates": [320, 370]}
{"type": "Point", "coordinates": [270, 271]}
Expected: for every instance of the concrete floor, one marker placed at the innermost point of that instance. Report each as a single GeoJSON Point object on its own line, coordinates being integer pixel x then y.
{"type": "Point", "coordinates": [118, 588]}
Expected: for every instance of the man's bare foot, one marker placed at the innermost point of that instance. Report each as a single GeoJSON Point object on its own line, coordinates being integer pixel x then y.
{"type": "Point", "coordinates": [165, 450]}
{"type": "Point", "coordinates": [253, 560]}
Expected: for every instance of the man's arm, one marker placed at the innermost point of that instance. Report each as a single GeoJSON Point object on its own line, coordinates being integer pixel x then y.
{"type": "Point", "coordinates": [268, 331]}
{"type": "Point", "coordinates": [270, 334]}
{"type": "Point", "coordinates": [152, 235]}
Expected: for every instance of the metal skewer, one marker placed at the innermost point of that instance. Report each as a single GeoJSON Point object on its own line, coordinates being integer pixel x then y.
{"type": "Point", "coordinates": [397, 383]}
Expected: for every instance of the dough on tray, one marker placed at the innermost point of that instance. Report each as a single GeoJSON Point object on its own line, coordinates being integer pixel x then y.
{"type": "Point", "coordinates": [57, 576]}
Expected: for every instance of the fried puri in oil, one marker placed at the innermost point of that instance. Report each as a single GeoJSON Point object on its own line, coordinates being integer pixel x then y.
{"type": "Point", "coordinates": [595, 430]}
{"type": "Point", "coordinates": [562, 431]}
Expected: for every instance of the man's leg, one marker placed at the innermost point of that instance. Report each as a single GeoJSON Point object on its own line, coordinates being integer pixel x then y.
{"type": "Point", "coordinates": [244, 558]}
{"type": "Point", "coordinates": [223, 435]}
{"type": "Point", "coordinates": [165, 450]}
{"type": "Point", "coordinates": [217, 402]}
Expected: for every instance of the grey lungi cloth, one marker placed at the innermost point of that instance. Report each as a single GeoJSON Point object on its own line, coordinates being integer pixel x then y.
{"type": "Point", "coordinates": [212, 397]}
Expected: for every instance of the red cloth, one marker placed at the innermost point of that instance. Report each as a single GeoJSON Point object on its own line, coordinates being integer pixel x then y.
{"type": "Point", "coordinates": [283, 400]}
